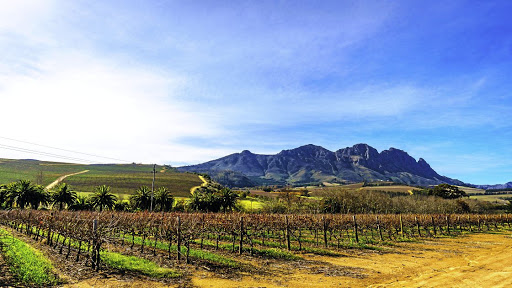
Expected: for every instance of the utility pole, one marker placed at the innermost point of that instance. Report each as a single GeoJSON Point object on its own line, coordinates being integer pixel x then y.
{"type": "Point", "coordinates": [153, 188]}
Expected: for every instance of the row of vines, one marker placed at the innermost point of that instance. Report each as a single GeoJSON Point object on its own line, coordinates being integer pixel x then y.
{"type": "Point", "coordinates": [175, 235]}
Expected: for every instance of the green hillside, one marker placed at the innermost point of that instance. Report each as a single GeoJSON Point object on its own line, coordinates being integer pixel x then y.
{"type": "Point", "coordinates": [123, 178]}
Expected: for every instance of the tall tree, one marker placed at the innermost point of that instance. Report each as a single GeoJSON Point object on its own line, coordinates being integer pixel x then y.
{"type": "Point", "coordinates": [81, 203]}
{"type": "Point", "coordinates": [39, 196]}
{"type": "Point", "coordinates": [63, 195]}
{"type": "Point", "coordinates": [227, 199]}
{"type": "Point", "coordinates": [164, 199]}
{"type": "Point", "coordinates": [448, 191]}
{"type": "Point", "coordinates": [20, 193]}
{"type": "Point", "coordinates": [3, 195]}
{"type": "Point", "coordinates": [141, 199]}
{"type": "Point", "coordinates": [103, 198]}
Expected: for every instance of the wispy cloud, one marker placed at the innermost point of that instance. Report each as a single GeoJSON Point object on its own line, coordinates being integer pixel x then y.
{"type": "Point", "coordinates": [188, 82]}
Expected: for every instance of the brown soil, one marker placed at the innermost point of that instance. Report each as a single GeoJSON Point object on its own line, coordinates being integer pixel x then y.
{"type": "Point", "coordinates": [61, 178]}
{"type": "Point", "coordinates": [479, 260]}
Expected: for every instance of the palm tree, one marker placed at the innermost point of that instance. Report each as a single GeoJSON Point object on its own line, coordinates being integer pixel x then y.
{"type": "Point", "coordinates": [164, 198]}
{"type": "Point", "coordinates": [103, 198]}
{"type": "Point", "coordinates": [227, 199]}
{"type": "Point", "coordinates": [63, 195]}
{"type": "Point", "coordinates": [142, 198]}
{"type": "Point", "coordinates": [82, 202]}
{"type": "Point", "coordinates": [19, 193]}
{"type": "Point", "coordinates": [3, 195]}
{"type": "Point", "coordinates": [39, 196]}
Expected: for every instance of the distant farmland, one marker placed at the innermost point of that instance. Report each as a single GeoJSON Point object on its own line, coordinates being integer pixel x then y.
{"type": "Point", "coordinates": [123, 178]}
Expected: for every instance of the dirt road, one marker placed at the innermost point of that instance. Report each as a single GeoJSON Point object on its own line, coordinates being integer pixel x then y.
{"type": "Point", "coordinates": [61, 178]}
{"type": "Point", "coordinates": [478, 260]}
{"type": "Point", "coordinates": [197, 187]}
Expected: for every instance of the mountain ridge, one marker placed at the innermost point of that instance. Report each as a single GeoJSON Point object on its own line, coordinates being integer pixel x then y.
{"type": "Point", "coordinates": [507, 185]}
{"type": "Point", "coordinates": [311, 163]}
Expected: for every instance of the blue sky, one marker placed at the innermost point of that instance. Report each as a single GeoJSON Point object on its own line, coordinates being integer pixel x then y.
{"type": "Point", "coordinates": [183, 82]}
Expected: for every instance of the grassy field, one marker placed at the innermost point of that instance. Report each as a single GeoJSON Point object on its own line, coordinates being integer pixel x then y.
{"type": "Point", "coordinates": [403, 189]}
{"type": "Point", "coordinates": [499, 199]}
{"type": "Point", "coordinates": [27, 263]}
{"type": "Point", "coordinates": [470, 190]}
{"type": "Point", "coordinates": [251, 204]}
{"type": "Point", "coordinates": [123, 178]}
{"type": "Point", "coordinates": [14, 170]}
{"type": "Point", "coordinates": [395, 188]}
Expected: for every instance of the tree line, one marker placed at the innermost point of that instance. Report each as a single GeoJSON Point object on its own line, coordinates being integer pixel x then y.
{"type": "Point", "coordinates": [23, 194]}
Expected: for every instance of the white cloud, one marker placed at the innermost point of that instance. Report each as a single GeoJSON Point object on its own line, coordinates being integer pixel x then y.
{"type": "Point", "coordinates": [20, 15]}
{"type": "Point", "coordinates": [100, 107]}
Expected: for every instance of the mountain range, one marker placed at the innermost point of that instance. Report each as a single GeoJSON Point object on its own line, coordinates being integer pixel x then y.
{"type": "Point", "coordinates": [315, 164]}
{"type": "Point", "coordinates": [507, 185]}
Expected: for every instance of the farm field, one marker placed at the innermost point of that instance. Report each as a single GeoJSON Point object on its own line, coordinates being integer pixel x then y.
{"type": "Point", "coordinates": [471, 190]}
{"type": "Point", "coordinates": [501, 198]}
{"type": "Point", "coordinates": [477, 260]}
{"type": "Point", "coordinates": [271, 250]}
{"type": "Point", "coordinates": [481, 260]}
{"type": "Point", "coordinates": [123, 178]}
{"type": "Point", "coordinates": [395, 189]}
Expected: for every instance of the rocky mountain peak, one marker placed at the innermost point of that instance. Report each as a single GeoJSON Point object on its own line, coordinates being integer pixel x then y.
{"type": "Point", "coordinates": [312, 163]}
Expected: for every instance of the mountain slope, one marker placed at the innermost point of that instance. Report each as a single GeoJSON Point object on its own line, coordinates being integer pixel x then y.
{"type": "Point", "coordinates": [507, 185]}
{"type": "Point", "coordinates": [311, 163]}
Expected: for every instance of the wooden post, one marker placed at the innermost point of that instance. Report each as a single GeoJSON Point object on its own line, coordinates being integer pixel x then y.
{"type": "Point", "coordinates": [94, 244]}
{"type": "Point", "coordinates": [202, 231]}
{"type": "Point", "coordinates": [240, 247]}
{"type": "Point", "coordinates": [288, 245]}
{"type": "Point", "coordinates": [79, 250]}
{"type": "Point", "coordinates": [417, 225]}
{"type": "Point", "coordinates": [448, 224]}
{"type": "Point", "coordinates": [179, 238]}
{"type": "Point", "coordinates": [401, 226]}
{"type": "Point", "coordinates": [378, 228]}
{"type": "Point", "coordinates": [434, 225]}
{"type": "Point", "coordinates": [49, 238]}
{"type": "Point", "coordinates": [355, 228]}
{"type": "Point", "coordinates": [325, 231]}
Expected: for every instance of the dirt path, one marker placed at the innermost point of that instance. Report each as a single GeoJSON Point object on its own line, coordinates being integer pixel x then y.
{"type": "Point", "coordinates": [197, 187]}
{"type": "Point", "coordinates": [478, 260]}
{"type": "Point", "coordinates": [56, 182]}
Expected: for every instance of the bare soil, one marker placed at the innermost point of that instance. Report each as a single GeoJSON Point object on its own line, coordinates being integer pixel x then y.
{"type": "Point", "coordinates": [476, 260]}
{"type": "Point", "coordinates": [61, 178]}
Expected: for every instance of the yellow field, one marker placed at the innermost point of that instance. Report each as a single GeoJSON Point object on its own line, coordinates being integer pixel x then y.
{"type": "Point", "coordinates": [470, 190]}
{"type": "Point", "coordinates": [492, 198]}
{"type": "Point", "coordinates": [251, 204]}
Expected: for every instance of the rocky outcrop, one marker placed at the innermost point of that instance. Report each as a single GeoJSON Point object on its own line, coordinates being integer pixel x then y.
{"type": "Point", "coordinates": [311, 163]}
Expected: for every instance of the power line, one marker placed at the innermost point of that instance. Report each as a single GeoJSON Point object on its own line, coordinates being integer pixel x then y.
{"type": "Point", "coordinates": [51, 147]}
{"type": "Point", "coordinates": [19, 149]}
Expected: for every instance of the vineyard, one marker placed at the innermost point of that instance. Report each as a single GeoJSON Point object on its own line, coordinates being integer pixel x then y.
{"type": "Point", "coordinates": [222, 239]}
